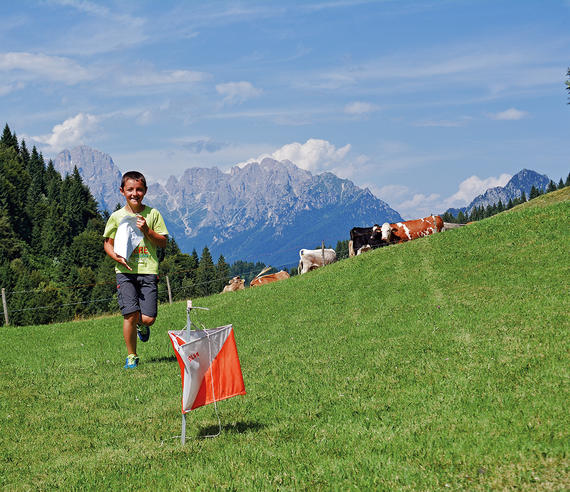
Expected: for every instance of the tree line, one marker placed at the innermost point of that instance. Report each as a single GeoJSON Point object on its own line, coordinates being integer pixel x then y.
{"type": "Point", "coordinates": [52, 263]}
{"type": "Point", "coordinates": [479, 213]}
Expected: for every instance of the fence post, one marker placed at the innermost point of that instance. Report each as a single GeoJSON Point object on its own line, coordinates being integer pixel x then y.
{"type": "Point", "coordinates": [5, 306]}
{"type": "Point", "coordinates": [169, 291]}
{"type": "Point", "coordinates": [323, 251]}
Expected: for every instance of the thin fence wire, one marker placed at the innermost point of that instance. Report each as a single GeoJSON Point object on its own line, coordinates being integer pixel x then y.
{"type": "Point", "coordinates": [51, 306]}
{"type": "Point", "coordinates": [161, 290]}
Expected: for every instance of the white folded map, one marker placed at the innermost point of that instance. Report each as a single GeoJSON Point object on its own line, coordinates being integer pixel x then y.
{"type": "Point", "coordinates": [128, 236]}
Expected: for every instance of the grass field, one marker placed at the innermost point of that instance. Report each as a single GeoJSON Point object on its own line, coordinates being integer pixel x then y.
{"type": "Point", "coordinates": [440, 363]}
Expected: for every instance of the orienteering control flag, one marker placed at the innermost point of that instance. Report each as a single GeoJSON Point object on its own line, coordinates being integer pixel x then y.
{"type": "Point", "coordinates": [209, 365]}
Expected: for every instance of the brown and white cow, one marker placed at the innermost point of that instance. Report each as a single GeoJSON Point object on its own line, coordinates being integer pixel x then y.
{"type": "Point", "coordinates": [310, 259]}
{"type": "Point", "coordinates": [261, 279]}
{"type": "Point", "coordinates": [236, 283]}
{"type": "Point", "coordinates": [410, 229]}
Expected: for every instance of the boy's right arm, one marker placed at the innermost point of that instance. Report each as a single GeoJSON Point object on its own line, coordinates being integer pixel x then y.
{"type": "Point", "coordinates": [109, 249]}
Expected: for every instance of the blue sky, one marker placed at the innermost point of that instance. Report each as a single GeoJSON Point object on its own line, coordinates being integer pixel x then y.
{"type": "Point", "coordinates": [427, 103]}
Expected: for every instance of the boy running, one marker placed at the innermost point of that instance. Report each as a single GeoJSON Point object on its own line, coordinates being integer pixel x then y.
{"type": "Point", "coordinates": [137, 275]}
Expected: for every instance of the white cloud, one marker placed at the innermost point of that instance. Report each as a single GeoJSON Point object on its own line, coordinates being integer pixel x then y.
{"type": "Point", "coordinates": [43, 66]}
{"type": "Point", "coordinates": [419, 205]}
{"type": "Point", "coordinates": [473, 186]}
{"type": "Point", "coordinates": [509, 114]}
{"type": "Point", "coordinates": [237, 92]}
{"type": "Point", "coordinates": [69, 133]}
{"type": "Point", "coordinates": [422, 205]}
{"type": "Point", "coordinates": [390, 193]}
{"type": "Point", "coordinates": [98, 29]}
{"type": "Point", "coordinates": [84, 6]}
{"type": "Point", "coordinates": [8, 88]}
{"type": "Point", "coordinates": [443, 123]}
{"type": "Point", "coordinates": [359, 107]}
{"type": "Point", "coordinates": [166, 77]}
{"type": "Point", "coordinates": [144, 118]}
{"type": "Point", "coordinates": [314, 155]}
{"type": "Point", "coordinates": [184, 153]}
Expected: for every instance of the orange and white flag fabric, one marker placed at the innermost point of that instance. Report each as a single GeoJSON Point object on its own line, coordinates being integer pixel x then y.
{"type": "Point", "coordinates": [209, 365]}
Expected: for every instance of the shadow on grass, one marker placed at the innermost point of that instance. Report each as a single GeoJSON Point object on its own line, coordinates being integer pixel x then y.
{"type": "Point", "coordinates": [235, 428]}
{"type": "Point", "coordinates": [164, 358]}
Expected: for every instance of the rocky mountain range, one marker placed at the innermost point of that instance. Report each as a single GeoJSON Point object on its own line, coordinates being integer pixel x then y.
{"type": "Point", "coordinates": [264, 211]}
{"type": "Point", "coordinates": [97, 170]}
{"type": "Point", "coordinates": [522, 181]}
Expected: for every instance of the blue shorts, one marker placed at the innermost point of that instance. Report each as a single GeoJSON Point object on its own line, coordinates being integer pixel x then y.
{"type": "Point", "coordinates": [137, 292]}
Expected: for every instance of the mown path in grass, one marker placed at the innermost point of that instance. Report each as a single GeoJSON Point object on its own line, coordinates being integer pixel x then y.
{"type": "Point", "coordinates": [441, 362]}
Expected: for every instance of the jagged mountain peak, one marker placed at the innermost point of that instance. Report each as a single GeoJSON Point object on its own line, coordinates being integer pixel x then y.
{"type": "Point", "coordinates": [523, 178]}
{"type": "Point", "coordinates": [260, 211]}
{"type": "Point", "coordinates": [523, 181]}
{"type": "Point", "coordinates": [98, 171]}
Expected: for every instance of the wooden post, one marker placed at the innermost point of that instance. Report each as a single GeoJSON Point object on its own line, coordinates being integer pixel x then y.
{"type": "Point", "coordinates": [169, 291]}
{"type": "Point", "coordinates": [5, 306]}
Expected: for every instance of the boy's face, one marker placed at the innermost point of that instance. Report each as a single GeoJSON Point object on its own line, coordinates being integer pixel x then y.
{"type": "Point", "coordinates": [134, 192]}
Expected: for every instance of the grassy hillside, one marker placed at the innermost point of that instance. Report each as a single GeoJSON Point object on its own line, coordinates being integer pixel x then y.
{"type": "Point", "coordinates": [438, 363]}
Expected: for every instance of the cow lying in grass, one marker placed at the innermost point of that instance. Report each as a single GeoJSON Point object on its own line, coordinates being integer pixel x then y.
{"type": "Point", "coordinates": [236, 283]}
{"type": "Point", "coordinates": [261, 279]}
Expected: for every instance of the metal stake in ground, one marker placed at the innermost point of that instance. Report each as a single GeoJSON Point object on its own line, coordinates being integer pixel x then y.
{"type": "Point", "coordinates": [189, 308]}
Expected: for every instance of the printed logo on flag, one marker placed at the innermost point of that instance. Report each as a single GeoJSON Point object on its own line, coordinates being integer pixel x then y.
{"type": "Point", "coordinates": [191, 357]}
{"type": "Point", "coordinates": [209, 365]}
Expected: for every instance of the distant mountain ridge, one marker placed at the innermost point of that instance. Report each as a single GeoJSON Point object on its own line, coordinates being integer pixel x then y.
{"type": "Point", "coordinates": [524, 180]}
{"type": "Point", "coordinates": [264, 211]}
{"type": "Point", "coordinates": [97, 170]}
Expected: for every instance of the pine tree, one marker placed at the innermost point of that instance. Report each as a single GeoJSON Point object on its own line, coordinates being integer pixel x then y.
{"type": "Point", "coordinates": [551, 187]}
{"type": "Point", "coordinates": [523, 197]}
{"type": "Point", "coordinates": [11, 246]}
{"type": "Point", "coordinates": [568, 84]}
{"type": "Point", "coordinates": [78, 204]}
{"type": "Point", "coordinates": [24, 155]}
{"type": "Point", "coordinates": [461, 217]}
{"type": "Point", "coordinates": [195, 256]}
{"type": "Point", "coordinates": [567, 183]}
{"type": "Point", "coordinates": [36, 164]}
{"type": "Point", "coordinates": [560, 184]}
{"type": "Point", "coordinates": [14, 181]}
{"type": "Point", "coordinates": [56, 233]}
{"type": "Point", "coordinates": [222, 273]}
{"type": "Point", "coordinates": [53, 184]}
{"type": "Point", "coordinates": [448, 217]}
{"type": "Point", "coordinates": [9, 139]}
{"type": "Point", "coordinates": [86, 251]}
{"type": "Point", "coordinates": [341, 249]}
{"type": "Point", "coordinates": [206, 274]}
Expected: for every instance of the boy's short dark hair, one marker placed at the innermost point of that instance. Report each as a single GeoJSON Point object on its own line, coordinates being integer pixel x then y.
{"type": "Point", "coordinates": [133, 175]}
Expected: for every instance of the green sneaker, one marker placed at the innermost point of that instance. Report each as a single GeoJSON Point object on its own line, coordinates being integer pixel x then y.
{"type": "Point", "coordinates": [132, 361]}
{"type": "Point", "coordinates": [143, 332]}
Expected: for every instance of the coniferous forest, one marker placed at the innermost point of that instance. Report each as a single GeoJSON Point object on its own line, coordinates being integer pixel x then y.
{"type": "Point", "coordinates": [479, 213]}
{"type": "Point", "coordinates": [52, 263]}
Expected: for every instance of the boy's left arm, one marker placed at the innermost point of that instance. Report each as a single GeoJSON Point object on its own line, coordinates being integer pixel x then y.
{"type": "Point", "coordinates": [154, 237]}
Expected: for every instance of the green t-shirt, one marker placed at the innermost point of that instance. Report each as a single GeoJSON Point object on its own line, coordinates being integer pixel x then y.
{"type": "Point", "coordinates": [144, 258]}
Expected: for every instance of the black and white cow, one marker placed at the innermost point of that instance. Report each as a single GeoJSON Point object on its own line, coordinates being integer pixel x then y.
{"type": "Point", "coordinates": [364, 239]}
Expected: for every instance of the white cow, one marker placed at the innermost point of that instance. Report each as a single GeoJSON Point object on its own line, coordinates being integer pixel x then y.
{"type": "Point", "coordinates": [313, 258]}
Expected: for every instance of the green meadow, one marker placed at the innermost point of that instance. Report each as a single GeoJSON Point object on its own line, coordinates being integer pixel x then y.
{"type": "Point", "coordinates": [442, 363]}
